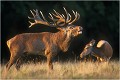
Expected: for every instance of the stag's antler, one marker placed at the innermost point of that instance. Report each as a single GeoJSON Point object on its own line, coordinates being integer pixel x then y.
{"type": "Point", "coordinates": [77, 16]}
{"type": "Point", "coordinates": [37, 19]}
{"type": "Point", "coordinates": [56, 22]}
{"type": "Point", "coordinates": [61, 17]}
{"type": "Point", "coordinates": [68, 19]}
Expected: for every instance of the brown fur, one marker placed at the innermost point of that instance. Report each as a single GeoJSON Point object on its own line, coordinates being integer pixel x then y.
{"type": "Point", "coordinates": [46, 43]}
{"type": "Point", "coordinates": [103, 51]}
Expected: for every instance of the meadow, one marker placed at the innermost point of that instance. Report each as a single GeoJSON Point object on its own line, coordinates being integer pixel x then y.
{"type": "Point", "coordinates": [66, 70]}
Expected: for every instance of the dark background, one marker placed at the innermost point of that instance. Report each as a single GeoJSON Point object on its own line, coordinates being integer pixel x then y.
{"type": "Point", "coordinates": [99, 19]}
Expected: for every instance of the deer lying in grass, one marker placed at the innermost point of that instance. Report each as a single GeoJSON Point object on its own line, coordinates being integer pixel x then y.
{"type": "Point", "coordinates": [45, 43]}
{"type": "Point", "coordinates": [103, 51]}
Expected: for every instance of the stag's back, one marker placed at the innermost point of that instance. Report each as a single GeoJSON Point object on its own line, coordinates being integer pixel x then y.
{"type": "Point", "coordinates": [105, 48]}
{"type": "Point", "coordinates": [26, 42]}
{"type": "Point", "coordinates": [10, 41]}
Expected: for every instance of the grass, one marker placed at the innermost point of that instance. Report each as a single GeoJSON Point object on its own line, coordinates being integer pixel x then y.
{"type": "Point", "coordinates": [66, 70]}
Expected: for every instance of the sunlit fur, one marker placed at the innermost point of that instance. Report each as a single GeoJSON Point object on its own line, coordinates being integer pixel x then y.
{"type": "Point", "coordinates": [86, 52]}
{"type": "Point", "coordinates": [45, 43]}
{"type": "Point", "coordinates": [88, 48]}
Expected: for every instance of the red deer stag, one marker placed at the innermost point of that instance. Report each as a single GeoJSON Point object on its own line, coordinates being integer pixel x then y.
{"type": "Point", "coordinates": [45, 43]}
{"type": "Point", "coordinates": [103, 51]}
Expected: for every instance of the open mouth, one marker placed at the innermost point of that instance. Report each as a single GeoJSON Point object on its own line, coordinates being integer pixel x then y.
{"type": "Point", "coordinates": [80, 32]}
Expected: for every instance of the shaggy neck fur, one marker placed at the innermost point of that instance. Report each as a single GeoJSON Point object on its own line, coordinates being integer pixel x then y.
{"type": "Point", "coordinates": [63, 40]}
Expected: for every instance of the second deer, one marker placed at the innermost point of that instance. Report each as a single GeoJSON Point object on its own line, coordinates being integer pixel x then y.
{"type": "Point", "coordinates": [103, 51]}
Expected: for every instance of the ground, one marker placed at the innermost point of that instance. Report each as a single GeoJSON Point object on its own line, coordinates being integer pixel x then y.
{"type": "Point", "coordinates": [66, 70]}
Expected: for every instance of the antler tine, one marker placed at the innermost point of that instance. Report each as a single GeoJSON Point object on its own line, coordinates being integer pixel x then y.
{"type": "Point", "coordinates": [44, 17]}
{"type": "Point", "coordinates": [76, 17]}
{"type": "Point", "coordinates": [32, 12]}
{"type": "Point", "coordinates": [66, 14]}
{"type": "Point", "coordinates": [58, 14]}
{"type": "Point", "coordinates": [51, 17]}
{"type": "Point", "coordinates": [54, 20]}
{"type": "Point", "coordinates": [37, 19]}
{"type": "Point", "coordinates": [63, 16]}
{"type": "Point", "coordinates": [70, 18]}
{"type": "Point", "coordinates": [73, 12]}
{"type": "Point", "coordinates": [31, 24]}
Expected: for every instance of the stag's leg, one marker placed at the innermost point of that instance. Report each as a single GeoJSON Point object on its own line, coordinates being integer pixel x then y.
{"type": "Point", "coordinates": [18, 63]}
{"type": "Point", "coordinates": [4, 74]}
{"type": "Point", "coordinates": [7, 64]}
{"type": "Point", "coordinates": [49, 62]}
{"type": "Point", "coordinates": [12, 60]}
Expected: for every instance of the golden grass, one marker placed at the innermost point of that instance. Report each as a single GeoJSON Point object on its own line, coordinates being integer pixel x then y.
{"type": "Point", "coordinates": [67, 70]}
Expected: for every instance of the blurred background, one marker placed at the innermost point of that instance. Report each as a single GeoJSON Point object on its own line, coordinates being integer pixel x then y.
{"type": "Point", "coordinates": [99, 19]}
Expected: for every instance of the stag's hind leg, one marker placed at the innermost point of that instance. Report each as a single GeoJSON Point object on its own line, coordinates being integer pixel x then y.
{"type": "Point", "coordinates": [7, 64]}
{"type": "Point", "coordinates": [18, 63]}
{"type": "Point", "coordinates": [49, 62]}
{"type": "Point", "coordinates": [12, 60]}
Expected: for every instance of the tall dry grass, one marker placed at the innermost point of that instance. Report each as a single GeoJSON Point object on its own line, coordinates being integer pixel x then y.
{"type": "Point", "coordinates": [67, 70]}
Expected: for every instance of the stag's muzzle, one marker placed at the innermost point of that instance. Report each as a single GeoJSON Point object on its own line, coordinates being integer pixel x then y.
{"type": "Point", "coordinates": [80, 30]}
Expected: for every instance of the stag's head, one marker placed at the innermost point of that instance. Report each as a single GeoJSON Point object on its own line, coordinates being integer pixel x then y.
{"type": "Point", "coordinates": [62, 22]}
{"type": "Point", "coordinates": [88, 48]}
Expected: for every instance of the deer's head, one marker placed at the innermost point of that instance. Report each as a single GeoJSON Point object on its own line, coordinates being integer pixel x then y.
{"type": "Point", "coordinates": [60, 21]}
{"type": "Point", "coordinates": [88, 48]}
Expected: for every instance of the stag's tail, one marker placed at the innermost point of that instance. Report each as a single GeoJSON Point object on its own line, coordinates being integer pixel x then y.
{"type": "Point", "coordinates": [8, 44]}
{"type": "Point", "coordinates": [10, 41]}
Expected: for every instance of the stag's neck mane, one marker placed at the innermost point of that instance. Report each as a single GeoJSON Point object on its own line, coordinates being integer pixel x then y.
{"type": "Point", "coordinates": [63, 40]}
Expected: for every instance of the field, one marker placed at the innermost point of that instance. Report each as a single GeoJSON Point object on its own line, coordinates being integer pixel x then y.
{"type": "Point", "coordinates": [66, 70]}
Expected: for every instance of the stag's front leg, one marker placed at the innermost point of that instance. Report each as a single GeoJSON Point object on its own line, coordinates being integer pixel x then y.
{"type": "Point", "coordinates": [49, 62]}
